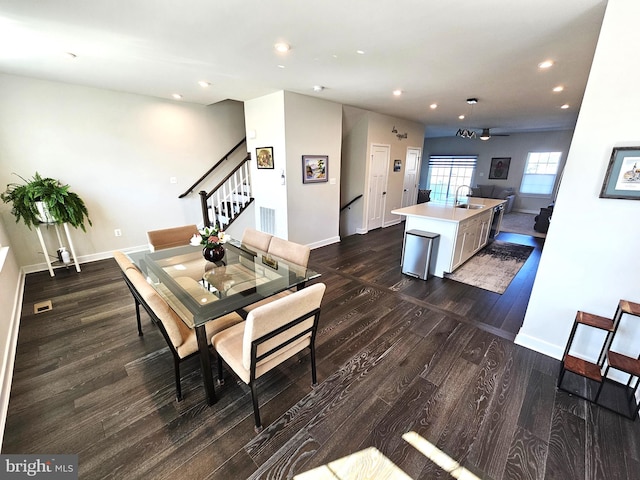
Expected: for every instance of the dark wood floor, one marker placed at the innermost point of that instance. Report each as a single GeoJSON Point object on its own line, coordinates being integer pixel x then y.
{"type": "Point", "coordinates": [395, 354]}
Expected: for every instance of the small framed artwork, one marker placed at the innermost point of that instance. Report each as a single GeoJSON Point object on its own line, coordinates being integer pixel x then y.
{"type": "Point", "coordinates": [397, 165]}
{"type": "Point", "coordinates": [499, 168]}
{"type": "Point", "coordinates": [622, 179]}
{"type": "Point", "coordinates": [264, 157]}
{"type": "Point", "coordinates": [315, 168]}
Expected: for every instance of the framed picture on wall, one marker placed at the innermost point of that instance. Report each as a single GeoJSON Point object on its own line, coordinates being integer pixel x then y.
{"type": "Point", "coordinates": [264, 157]}
{"type": "Point", "coordinates": [499, 168]}
{"type": "Point", "coordinates": [622, 179]}
{"type": "Point", "coordinates": [315, 168]}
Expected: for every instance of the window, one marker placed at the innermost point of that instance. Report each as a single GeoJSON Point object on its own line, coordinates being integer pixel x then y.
{"type": "Point", "coordinates": [447, 173]}
{"type": "Point", "coordinates": [540, 173]}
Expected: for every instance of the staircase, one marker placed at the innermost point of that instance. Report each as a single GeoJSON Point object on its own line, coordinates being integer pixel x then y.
{"type": "Point", "coordinates": [231, 196]}
{"type": "Point", "coordinates": [621, 398]}
{"type": "Point", "coordinates": [227, 200]}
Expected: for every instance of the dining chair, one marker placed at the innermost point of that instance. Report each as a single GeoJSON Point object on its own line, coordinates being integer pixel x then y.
{"type": "Point", "coordinates": [290, 251]}
{"type": "Point", "coordinates": [270, 335]}
{"type": "Point", "coordinates": [287, 250]}
{"type": "Point", "coordinates": [124, 262]}
{"type": "Point", "coordinates": [180, 338]}
{"type": "Point", "coordinates": [171, 237]}
{"type": "Point", "coordinates": [256, 238]}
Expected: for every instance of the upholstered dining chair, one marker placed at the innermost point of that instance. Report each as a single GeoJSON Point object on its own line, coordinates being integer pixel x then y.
{"type": "Point", "coordinates": [170, 237]}
{"type": "Point", "coordinates": [290, 251]}
{"type": "Point", "coordinates": [180, 338]}
{"type": "Point", "coordinates": [124, 262]}
{"type": "Point", "coordinates": [256, 238]}
{"type": "Point", "coordinates": [270, 335]}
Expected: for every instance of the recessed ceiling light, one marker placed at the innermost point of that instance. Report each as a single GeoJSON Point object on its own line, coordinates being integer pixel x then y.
{"type": "Point", "coordinates": [460, 117]}
{"type": "Point", "coordinates": [397, 92]}
{"type": "Point", "coordinates": [282, 47]}
{"type": "Point", "coordinates": [177, 96]}
{"type": "Point", "coordinates": [559, 88]}
{"type": "Point", "coordinates": [318, 88]}
{"type": "Point", "coordinates": [360, 52]}
{"type": "Point", "coordinates": [204, 84]}
{"type": "Point", "coordinates": [433, 106]}
{"type": "Point", "coordinates": [472, 101]}
{"type": "Point", "coordinates": [565, 106]}
{"type": "Point", "coordinates": [545, 64]}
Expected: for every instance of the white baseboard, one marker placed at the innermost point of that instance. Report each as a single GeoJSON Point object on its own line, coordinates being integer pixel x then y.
{"type": "Point", "coordinates": [540, 346]}
{"type": "Point", "coordinates": [325, 242]}
{"type": "Point", "coordinates": [9, 355]}
{"type": "Point", "coordinates": [41, 267]}
{"type": "Point", "coordinates": [362, 231]}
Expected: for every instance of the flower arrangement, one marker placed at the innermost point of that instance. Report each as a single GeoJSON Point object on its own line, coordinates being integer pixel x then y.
{"type": "Point", "coordinates": [211, 237]}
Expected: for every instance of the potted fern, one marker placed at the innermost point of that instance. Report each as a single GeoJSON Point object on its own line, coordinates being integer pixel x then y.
{"type": "Point", "coordinates": [45, 200]}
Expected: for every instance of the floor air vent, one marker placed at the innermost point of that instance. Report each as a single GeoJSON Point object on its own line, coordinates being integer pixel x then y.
{"type": "Point", "coordinates": [42, 307]}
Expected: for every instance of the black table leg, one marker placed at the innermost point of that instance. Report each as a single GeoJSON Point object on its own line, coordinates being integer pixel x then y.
{"type": "Point", "coordinates": [205, 365]}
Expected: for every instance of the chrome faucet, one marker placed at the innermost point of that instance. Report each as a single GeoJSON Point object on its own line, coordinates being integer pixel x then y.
{"type": "Point", "coordinates": [455, 203]}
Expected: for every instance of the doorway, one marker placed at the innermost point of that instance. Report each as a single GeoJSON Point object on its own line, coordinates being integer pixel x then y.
{"type": "Point", "coordinates": [410, 183]}
{"type": "Point", "coordinates": [378, 171]}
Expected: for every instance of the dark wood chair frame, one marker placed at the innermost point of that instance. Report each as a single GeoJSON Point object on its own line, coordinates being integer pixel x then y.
{"type": "Point", "coordinates": [139, 301]}
{"type": "Point", "coordinates": [255, 358]}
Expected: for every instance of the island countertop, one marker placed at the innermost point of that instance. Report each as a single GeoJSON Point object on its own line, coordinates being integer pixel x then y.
{"type": "Point", "coordinates": [446, 211]}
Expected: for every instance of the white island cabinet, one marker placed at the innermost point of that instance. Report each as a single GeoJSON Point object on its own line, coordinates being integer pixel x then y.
{"type": "Point", "coordinates": [463, 231]}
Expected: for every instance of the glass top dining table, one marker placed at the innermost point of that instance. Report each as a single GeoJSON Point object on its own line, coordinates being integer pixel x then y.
{"type": "Point", "coordinates": [200, 291]}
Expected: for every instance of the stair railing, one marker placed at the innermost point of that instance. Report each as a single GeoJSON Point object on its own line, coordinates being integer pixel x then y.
{"type": "Point", "coordinates": [208, 172]}
{"type": "Point", "coordinates": [352, 201]}
{"type": "Point", "coordinates": [229, 198]}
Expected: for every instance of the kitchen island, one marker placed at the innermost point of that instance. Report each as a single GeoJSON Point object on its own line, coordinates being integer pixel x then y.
{"type": "Point", "coordinates": [463, 229]}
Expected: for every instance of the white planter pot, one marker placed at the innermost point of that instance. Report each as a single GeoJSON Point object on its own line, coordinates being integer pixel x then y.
{"type": "Point", "coordinates": [43, 213]}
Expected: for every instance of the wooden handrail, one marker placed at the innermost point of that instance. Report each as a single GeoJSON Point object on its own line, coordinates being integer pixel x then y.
{"type": "Point", "coordinates": [213, 190]}
{"type": "Point", "coordinates": [190, 189]}
{"type": "Point", "coordinates": [352, 201]}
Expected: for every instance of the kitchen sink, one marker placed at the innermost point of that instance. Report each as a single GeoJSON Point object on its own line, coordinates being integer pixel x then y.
{"type": "Point", "coordinates": [470, 206]}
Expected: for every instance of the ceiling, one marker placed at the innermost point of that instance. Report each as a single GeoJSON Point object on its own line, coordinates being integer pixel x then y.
{"type": "Point", "coordinates": [435, 51]}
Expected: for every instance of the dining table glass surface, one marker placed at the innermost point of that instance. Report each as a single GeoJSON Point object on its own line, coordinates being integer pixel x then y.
{"type": "Point", "coordinates": [199, 290]}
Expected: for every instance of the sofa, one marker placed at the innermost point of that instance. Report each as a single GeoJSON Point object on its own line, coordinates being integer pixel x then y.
{"type": "Point", "coordinates": [498, 192]}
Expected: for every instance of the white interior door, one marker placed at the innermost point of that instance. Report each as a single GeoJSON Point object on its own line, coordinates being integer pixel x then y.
{"type": "Point", "coordinates": [377, 185]}
{"type": "Point", "coordinates": [410, 184]}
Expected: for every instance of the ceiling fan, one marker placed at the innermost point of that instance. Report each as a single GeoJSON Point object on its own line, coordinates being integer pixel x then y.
{"type": "Point", "coordinates": [484, 135]}
{"type": "Point", "coordinates": [469, 133]}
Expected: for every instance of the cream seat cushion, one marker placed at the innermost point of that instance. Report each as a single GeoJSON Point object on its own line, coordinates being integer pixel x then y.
{"type": "Point", "coordinates": [234, 344]}
{"type": "Point", "coordinates": [182, 337]}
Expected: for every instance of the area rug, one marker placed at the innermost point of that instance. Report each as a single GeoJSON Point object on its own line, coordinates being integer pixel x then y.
{"type": "Point", "coordinates": [494, 267]}
{"type": "Point", "coordinates": [522, 223]}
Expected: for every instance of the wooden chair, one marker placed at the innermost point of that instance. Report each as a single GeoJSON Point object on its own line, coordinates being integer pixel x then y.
{"type": "Point", "coordinates": [170, 237]}
{"type": "Point", "coordinates": [271, 334]}
{"type": "Point", "coordinates": [180, 338]}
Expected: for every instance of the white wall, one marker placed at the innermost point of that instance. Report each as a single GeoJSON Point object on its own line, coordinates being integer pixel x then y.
{"type": "Point", "coordinates": [313, 127]}
{"type": "Point", "coordinates": [355, 144]}
{"type": "Point", "coordinates": [264, 119]}
{"type": "Point", "coordinates": [117, 151]}
{"type": "Point", "coordinates": [296, 125]}
{"type": "Point", "coordinates": [516, 146]}
{"type": "Point", "coordinates": [362, 130]}
{"type": "Point", "coordinates": [590, 259]}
